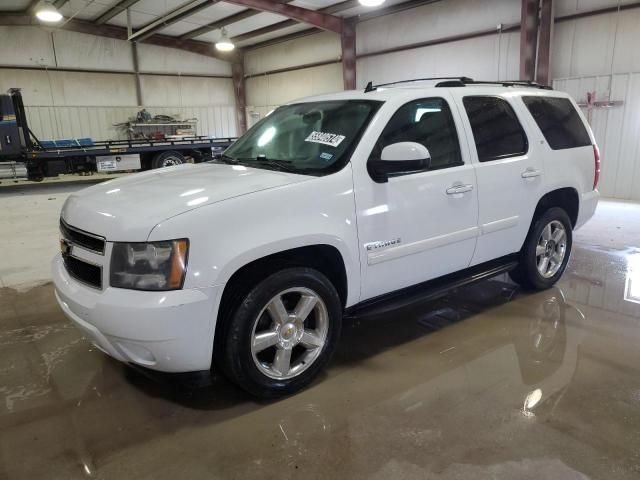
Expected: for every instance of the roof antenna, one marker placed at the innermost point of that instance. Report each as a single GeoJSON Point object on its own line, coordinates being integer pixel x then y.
{"type": "Point", "coordinates": [369, 88]}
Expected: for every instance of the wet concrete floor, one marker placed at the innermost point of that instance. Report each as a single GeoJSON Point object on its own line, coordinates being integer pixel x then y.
{"type": "Point", "coordinates": [488, 382]}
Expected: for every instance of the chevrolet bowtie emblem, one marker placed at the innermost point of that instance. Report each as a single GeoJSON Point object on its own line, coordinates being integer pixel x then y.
{"type": "Point", "coordinates": [65, 247]}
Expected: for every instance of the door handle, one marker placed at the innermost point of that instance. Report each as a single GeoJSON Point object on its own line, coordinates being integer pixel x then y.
{"type": "Point", "coordinates": [531, 173]}
{"type": "Point", "coordinates": [456, 189]}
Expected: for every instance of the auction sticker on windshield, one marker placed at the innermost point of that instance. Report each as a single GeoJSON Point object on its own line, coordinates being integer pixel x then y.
{"type": "Point", "coordinates": [331, 139]}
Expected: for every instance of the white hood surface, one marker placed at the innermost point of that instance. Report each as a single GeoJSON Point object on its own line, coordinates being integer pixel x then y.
{"type": "Point", "coordinates": [127, 209]}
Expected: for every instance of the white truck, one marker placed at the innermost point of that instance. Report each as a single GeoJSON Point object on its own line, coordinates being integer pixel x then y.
{"type": "Point", "coordinates": [338, 204]}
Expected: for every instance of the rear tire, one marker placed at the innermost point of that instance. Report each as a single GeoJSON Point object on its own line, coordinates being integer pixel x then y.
{"type": "Point", "coordinates": [282, 333]}
{"type": "Point", "coordinates": [546, 251]}
{"type": "Point", "coordinates": [167, 159]}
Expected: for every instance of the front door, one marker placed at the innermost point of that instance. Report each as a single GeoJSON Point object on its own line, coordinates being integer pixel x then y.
{"type": "Point", "coordinates": [418, 225]}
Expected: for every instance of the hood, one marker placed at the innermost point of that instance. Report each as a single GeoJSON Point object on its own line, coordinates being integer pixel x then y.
{"type": "Point", "coordinates": [127, 208]}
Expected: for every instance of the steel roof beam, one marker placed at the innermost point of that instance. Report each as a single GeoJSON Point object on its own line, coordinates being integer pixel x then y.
{"type": "Point", "coordinates": [217, 25]}
{"type": "Point", "coordinates": [338, 7]}
{"type": "Point", "coordinates": [115, 11]}
{"type": "Point", "coordinates": [170, 18]}
{"type": "Point", "coordinates": [223, 22]}
{"type": "Point", "coordinates": [315, 18]}
{"type": "Point", "coordinates": [283, 38]}
{"type": "Point", "coordinates": [115, 31]}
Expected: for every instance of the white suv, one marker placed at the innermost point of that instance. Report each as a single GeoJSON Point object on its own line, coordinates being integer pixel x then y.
{"type": "Point", "coordinates": [337, 204]}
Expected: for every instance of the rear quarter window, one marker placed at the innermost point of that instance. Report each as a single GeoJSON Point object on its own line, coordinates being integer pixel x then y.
{"type": "Point", "coordinates": [558, 121]}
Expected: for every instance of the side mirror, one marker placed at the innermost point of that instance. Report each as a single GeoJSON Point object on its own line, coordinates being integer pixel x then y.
{"type": "Point", "coordinates": [399, 159]}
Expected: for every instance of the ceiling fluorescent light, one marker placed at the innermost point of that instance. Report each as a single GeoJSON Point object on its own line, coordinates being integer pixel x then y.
{"type": "Point", "coordinates": [371, 3]}
{"type": "Point", "coordinates": [224, 44]}
{"type": "Point", "coordinates": [48, 13]}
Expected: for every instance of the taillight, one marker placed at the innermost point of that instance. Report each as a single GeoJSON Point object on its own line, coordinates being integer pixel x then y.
{"type": "Point", "coordinates": [596, 157]}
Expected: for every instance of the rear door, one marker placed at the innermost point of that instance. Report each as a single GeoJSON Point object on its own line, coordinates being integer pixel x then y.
{"type": "Point", "coordinates": [509, 172]}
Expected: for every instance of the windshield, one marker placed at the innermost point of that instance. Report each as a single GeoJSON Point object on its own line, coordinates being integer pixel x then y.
{"type": "Point", "coordinates": [314, 138]}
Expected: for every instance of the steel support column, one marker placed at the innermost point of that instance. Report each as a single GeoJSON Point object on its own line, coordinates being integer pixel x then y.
{"type": "Point", "coordinates": [136, 69]}
{"type": "Point", "coordinates": [237, 71]}
{"type": "Point", "coordinates": [136, 63]}
{"type": "Point", "coordinates": [545, 37]}
{"type": "Point", "coordinates": [528, 38]}
{"type": "Point", "coordinates": [348, 40]}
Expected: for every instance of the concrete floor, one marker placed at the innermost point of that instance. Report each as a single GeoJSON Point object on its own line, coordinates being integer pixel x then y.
{"type": "Point", "coordinates": [488, 382]}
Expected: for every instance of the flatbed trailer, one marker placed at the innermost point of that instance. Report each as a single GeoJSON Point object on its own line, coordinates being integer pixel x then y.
{"type": "Point", "coordinates": [22, 154]}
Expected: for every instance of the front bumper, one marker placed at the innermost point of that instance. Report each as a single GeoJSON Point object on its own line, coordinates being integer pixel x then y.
{"type": "Point", "coordinates": [165, 331]}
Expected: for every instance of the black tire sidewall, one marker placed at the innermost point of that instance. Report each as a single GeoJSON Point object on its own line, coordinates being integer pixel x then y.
{"type": "Point", "coordinates": [238, 361]}
{"type": "Point", "coordinates": [528, 259]}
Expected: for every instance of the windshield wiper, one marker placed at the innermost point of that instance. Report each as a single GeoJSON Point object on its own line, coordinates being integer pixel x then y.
{"type": "Point", "coordinates": [229, 160]}
{"type": "Point", "coordinates": [283, 165]}
{"type": "Point", "coordinates": [256, 162]}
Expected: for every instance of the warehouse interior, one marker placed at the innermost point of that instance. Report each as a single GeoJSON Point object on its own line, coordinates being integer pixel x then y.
{"type": "Point", "coordinates": [488, 381]}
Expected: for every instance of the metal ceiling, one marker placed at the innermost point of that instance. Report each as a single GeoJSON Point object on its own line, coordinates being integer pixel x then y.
{"type": "Point", "coordinates": [200, 20]}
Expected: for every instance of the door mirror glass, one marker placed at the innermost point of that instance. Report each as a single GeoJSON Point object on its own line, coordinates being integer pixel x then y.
{"type": "Point", "coordinates": [398, 159]}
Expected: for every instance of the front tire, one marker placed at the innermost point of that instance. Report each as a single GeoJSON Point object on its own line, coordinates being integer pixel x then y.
{"type": "Point", "coordinates": [282, 333]}
{"type": "Point", "coordinates": [546, 251]}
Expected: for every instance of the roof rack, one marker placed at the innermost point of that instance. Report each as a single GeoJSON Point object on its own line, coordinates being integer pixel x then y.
{"type": "Point", "coordinates": [510, 83]}
{"type": "Point", "coordinates": [461, 82]}
{"type": "Point", "coordinates": [371, 87]}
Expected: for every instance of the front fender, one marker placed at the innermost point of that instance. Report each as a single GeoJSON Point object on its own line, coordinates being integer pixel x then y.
{"type": "Point", "coordinates": [230, 234]}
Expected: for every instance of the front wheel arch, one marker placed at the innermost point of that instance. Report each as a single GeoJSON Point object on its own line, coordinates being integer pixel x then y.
{"type": "Point", "coordinates": [325, 258]}
{"type": "Point", "coordinates": [234, 353]}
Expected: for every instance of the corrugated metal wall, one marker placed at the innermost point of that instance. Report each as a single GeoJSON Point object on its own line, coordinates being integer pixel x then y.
{"type": "Point", "coordinates": [599, 54]}
{"type": "Point", "coordinates": [64, 104]}
{"type": "Point", "coordinates": [585, 52]}
{"type": "Point", "coordinates": [616, 129]}
{"type": "Point", "coordinates": [488, 57]}
{"type": "Point", "coordinates": [265, 92]}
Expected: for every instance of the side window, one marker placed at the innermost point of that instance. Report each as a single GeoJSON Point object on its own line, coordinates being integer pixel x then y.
{"type": "Point", "coordinates": [559, 122]}
{"type": "Point", "coordinates": [496, 129]}
{"type": "Point", "coordinates": [429, 122]}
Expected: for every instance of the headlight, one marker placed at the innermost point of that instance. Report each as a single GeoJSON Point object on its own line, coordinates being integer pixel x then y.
{"type": "Point", "coordinates": [149, 266]}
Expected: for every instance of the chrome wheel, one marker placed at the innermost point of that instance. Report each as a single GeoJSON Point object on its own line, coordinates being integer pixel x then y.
{"type": "Point", "coordinates": [171, 161]}
{"type": "Point", "coordinates": [551, 249]}
{"type": "Point", "coordinates": [289, 333]}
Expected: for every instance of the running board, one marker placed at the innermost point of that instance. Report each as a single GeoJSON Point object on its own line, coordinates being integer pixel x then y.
{"type": "Point", "coordinates": [432, 289]}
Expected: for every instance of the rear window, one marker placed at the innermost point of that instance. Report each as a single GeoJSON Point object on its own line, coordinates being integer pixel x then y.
{"type": "Point", "coordinates": [559, 122]}
{"type": "Point", "coordinates": [496, 130]}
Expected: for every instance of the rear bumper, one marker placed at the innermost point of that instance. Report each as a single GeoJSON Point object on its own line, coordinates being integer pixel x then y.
{"type": "Point", "coordinates": [165, 331]}
{"type": "Point", "coordinates": [588, 204]}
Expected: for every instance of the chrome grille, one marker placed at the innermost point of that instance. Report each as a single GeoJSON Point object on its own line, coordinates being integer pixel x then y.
{"type": "Point", "coordinates": [75, 236]}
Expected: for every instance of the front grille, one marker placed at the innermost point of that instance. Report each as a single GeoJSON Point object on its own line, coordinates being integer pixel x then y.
{"type": "Point", "coordinates": [87, 240]}
{"type": "Point", "coordinates": [83, 271]}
